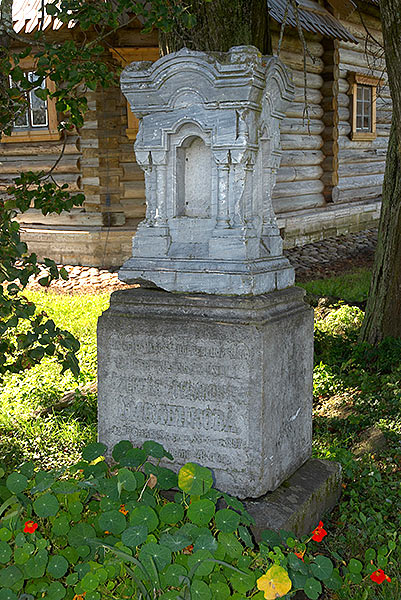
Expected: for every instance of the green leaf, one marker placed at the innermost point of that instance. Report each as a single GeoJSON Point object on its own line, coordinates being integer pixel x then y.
{"type": "Point", "coordinates": [93, 451]}
{"type": "Point", "coordinates": [56, 591]}
{"type": "Point", "coordinates": [194, 480]}
{"type": "Point", "coordinates": [200, 590]}
{"type": "Point", "coordinates": [80, 533]}
{"type": "Point", "coordinates": [90, 582]}
{"type": "Point", "coordinates": [154, 449]}
{"type": "Point", "coordinates": [242, 582]}
{"type": "Point", "coordinates": [271, 538]}
{"type": "Point", "coordinates": [120, 449]}
{"type": "Point", "coordinates": [61, 525]}
{"type": "Point", "coordinates": [176, 541]}
{"type": "Point", "coordinates": [201, 512]}
{"type": "Point", "coordinates": [5, 534]}
{"type": "Point", "coordinates": [134, 536]}
{"type": "Point", "coordinates": [133, 458]}
{"type": "Point", "coordinates": [355, 566]}
{"type": "Point", "coordinates": [7, 594]}
{"type": "Point", "coordinates": [127, 479]}
{"type": "Point", "coordinates": [46, 506]}
{"type": "Point", "coordinates": [113, 521]}
{"type": "Point", "coordinates": [245, 536]}
{"type": "Point", "coordinates": [171, 513]}
{"type": "Point", "coordinates": [57, 566]}
{"type": "Point", "coordinates": [322, 567]}
{"type": "Point", "coordinates": [200, 564]}
{"type": "Point", "coordinates": [16, 483]}
{"type": "Point", "coordinates": [172, 575]}
{"type": "Point", "coordinates": [144, 515]}
{"type": "Point", "coordinates": [312, 588]}
{"type": "Point", "coordinates": [206, 541]}
{"type": "Point", "coordinates": [220, 590]}
{"type": "Point", "coordinates": [334, 582]}
{"type": "Point", "coordinates": [5, 552]}
{"type": "Point", "coordinates": [227, 520]}
{"type": "Point", "coordinates": [230, 544]}
{"type": "Point", "coordinates": [35, 567]}
{"type": "Point", "coordinates": [161, 556]}
{"type": "Point", "coordinates": [10, 576]}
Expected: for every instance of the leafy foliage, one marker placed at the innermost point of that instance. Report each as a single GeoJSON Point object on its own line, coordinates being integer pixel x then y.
{"type": "Point", "coordinates": [100, 531]}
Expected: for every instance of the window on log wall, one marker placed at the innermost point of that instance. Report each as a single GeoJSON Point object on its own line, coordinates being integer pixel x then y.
{"type": "Point", "coordinates": [363, 89]}
{"type": "Point", "coordinates": [39, 121]}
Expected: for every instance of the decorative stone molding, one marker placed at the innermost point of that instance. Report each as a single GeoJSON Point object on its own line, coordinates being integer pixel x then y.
{"type": "Point", "coordinates": [208, 142]}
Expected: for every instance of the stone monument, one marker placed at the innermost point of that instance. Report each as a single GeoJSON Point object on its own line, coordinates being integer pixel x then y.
{"type": "Point", "coordinates": [212, 355]}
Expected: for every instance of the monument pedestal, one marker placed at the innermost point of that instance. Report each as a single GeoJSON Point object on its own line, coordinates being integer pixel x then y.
{"type": "Point", "coordinates": [219, 380]}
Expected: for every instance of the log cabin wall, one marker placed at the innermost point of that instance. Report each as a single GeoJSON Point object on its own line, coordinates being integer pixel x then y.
{"type": "Point", "coordinates": [361, 164]}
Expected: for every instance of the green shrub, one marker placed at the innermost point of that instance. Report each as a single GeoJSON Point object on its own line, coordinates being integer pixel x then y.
{"type": "Point", "coordinates": [138, 530]}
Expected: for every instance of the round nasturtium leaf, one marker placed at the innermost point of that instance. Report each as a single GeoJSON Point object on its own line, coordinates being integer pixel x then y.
{"type": "Point", "coordinates": [127, 479]}
{"type": "Point", "coordinates": [144, 515]}
{"type": "Point", "coordinates": [194, 480]}
{"type": "Point", "coordinates": [20, 556]}
{"type": "Point", "coordinates": [312, 588]}
{"type": "Point", "coordinates": [245, 536]}
{"type": "Point", "coordinates": [5, 552]}
{"type": "Point", "coordinates": [9, 576]}
{"type": "Point", "coordinates": [200, 590]}
{"type": "Point", "coordinates": [16, 483]}
{"type": "Point", "coordinates": [113, 521]}
{"type": "Point", "coordinates": [172, 575]}
{"type": "Point", "coordinates": [322, 567]}
{"type": "Point", "coordinates": [80, 533]}
{"type": "Point", "coordinates": [275, 583]}
{"type": "Point", "coordinates": [46, 505]}
{"type": "Point", "coordinates": [175, 541]}
{"type": "Point", "coordinates": [57, 566]}
{"type": "Point", "coordinates": [120, 449]}
{"type": "Point", "coordinates": [171, 513]}
{"type": "Point", "coordinates": [227, 520]}
{"type": "Point", "coordinates": [134, 536]}
{"type": "Point", "coordinates": [56, 591]}
{"type": "Point", "coordinates": [90, 582]}
{"type": "Point", "coordinates": [230, 544]}
{"type": "Point", "coordinates": [35, 567]}
{"type": "Point", "coordinates": [133, 458]}
{"type": "Point", "coordinates": [155, 553]}
{"type": "Point", "coordinates": [93, 451]}
{"type": "Point", "coordinates": [61, 525]}
{"type": "Point", "coordinates": [206, 541]}
{"type": "Point", "coordinates": [220, 590]}
{"type": "Point", "coordinates": [242, 582]}
{"type": "Point", "coordinates": [92, 596]}
{"type": "Point", "coordinates": [153, 449]}
{"type": "Point", "coordinates": [200, 561]}
{"type": "Point", "coordinates": [5, 534]}
{"type": "Point", "coordinates": [201, 512]}
{"type": "Point", "coordinates": [7, 594]}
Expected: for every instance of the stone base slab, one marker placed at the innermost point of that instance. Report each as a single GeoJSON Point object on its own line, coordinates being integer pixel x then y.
{"type": "Point", "coordinates": [300, 502]}
{"type": "Point", "coordinates": [225, 382]}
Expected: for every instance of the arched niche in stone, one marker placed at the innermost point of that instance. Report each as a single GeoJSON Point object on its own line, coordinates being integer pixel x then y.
{"type": "Point", "coordinates": [193, 181]}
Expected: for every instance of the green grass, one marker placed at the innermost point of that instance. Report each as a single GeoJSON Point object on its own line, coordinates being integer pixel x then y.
{"type": "Point", "coordinates": [56, 438]}
{"type": "Point", "coordinates": [355, 387]}
{"type": "Point", "coordinates": [350, 287]}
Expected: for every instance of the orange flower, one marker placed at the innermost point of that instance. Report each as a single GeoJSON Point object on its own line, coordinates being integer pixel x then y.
{"type": "Point", "coordinates": [108, 533]}
{"type": "Point", "coordinates": [188, 549]}
{"type": "Point", "coordinates": [300, 555]}
{"type": "Point", "coordinates": [379, 576]}
{"type": "Point", "coordinates": [319, 533]}
{"type": "Point", "coordinates": [30, 527]}
{"type": "Point", "coordinates": [79, 596]}
{"type": "Point", "coordinates": [123, 510]}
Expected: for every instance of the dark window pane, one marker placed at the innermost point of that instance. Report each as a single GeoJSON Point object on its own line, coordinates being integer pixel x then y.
{"type": "Point", "coordinates": [358, 122]}
{"type": "Point", "coordinates": [359, 92]}
{"type": "Point", "coordinates": [38, 106]}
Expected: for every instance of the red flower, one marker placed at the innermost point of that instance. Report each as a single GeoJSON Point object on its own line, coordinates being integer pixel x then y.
{"type": "Point", "coordinates": [188, 549]}
{"type": "Point", "coordinates": [379, 576]}
{"type": "Point", "coordinates": [319, 533]}
{"type": "Point", "coordinates": [300, 555]}
{"type": "Point", "coordinates": [30, 527]}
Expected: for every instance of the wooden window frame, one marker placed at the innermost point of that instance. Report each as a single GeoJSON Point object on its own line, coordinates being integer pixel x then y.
{"type": "Point", "coordinates": [356, 79]}
{"type": "Point", "coordinates": [48, 133]}
{"type": "Point", "coordinates": [126, 56]}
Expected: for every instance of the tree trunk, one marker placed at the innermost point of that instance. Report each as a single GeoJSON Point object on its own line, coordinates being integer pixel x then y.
{"type": "Point", "coordinates": [6, 9]}
{"type": "Point", "coordinates": [221, 24]}
{"type": "Point", "coordinates": [383, 314]}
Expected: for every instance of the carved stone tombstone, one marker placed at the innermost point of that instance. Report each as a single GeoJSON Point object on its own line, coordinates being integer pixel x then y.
{"type": "Point", "coordinates": [220, 373]}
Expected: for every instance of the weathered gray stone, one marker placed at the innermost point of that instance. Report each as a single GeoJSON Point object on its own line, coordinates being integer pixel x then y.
{"type": "Point", "coordinates": [300, 502]}
{"type": "Point", "coordinates": [223, 381]}
{"type": "Point", "coordinates": [208, 142]}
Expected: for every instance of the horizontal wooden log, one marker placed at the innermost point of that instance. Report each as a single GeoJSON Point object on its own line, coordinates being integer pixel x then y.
{"type": "Point", "coordinates": [133, 189]}
{"type": "Point", "coordinates": [345, 142]}
{"type": "Point", "coordinates": [360, 60]}
{"type": "Point", "coordinates": [301, 127]}
{"type": "Point", "coordinates": [296, 110]}
{"type": "Point", "coordinates": [301, 157]}
{"type": "Point", "coordinates": [294, 44]}
{"type": "Point", "coordinates": [347, 68]}
{"type": "Point", "coordinates": [365, 155]}
{"type": "Point", "coordinates": [359, 181]}
{"type": "Point", "coordinates": [73, 218]}
{"type": "Point", "coordinates": [282, 190]}
{"type": "Point", "coordinates": [361, 168]}
{"type": "Point", "coordinates": [355, 195]}
{"type": "Point", "coordinates": [36, 149]}
{"type": "Point", "coordinates": [16, 169]}
{"type": "Point", "coordinates": [313, 80]}
{"type": "Point", "coordinates": [297, 202]}
{"type": "Point", "coordinates": [295, 61]}
{"type": "Point", "coordinates": [343, 86]}
{"type": "Point", "coordinates": [287, 174]}
{"type": "Point", "coordinates": [314, 96]}
{"type": "Point", "coordinates": [301, 142]}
